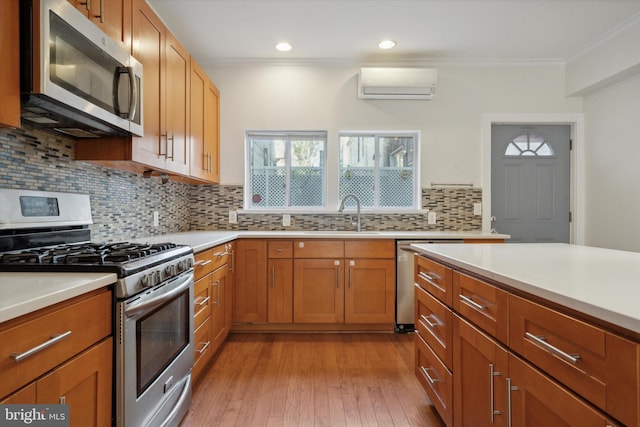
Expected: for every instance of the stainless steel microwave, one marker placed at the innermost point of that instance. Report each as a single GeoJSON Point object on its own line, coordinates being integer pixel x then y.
{"type": "Point", "coordinates": [75, 79]}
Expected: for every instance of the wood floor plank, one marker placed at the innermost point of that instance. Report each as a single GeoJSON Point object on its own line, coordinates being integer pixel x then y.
{"type": "Point", "coordinates": [326, 379]}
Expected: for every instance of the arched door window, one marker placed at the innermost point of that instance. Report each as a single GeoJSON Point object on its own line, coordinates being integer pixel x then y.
{"type": "Point", "coordinates": [528, 144]}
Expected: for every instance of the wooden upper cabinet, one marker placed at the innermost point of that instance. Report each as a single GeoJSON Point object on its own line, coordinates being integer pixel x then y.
{"type": "Point", "coordinates": [204, 132]}
{"type": "Point", "coordinates": [9, 66]}
{"type": "Point", "coordinates": [176, 105]}
{"type": "Point", "coordinates": [111, 16]}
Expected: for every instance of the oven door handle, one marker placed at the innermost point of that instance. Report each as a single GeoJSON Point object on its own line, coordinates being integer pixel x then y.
{"type": "Point", "coordinates": [139, 306]}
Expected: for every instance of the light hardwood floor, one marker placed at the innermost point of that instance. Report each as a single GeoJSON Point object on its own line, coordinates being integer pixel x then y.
{"type": "Point", "coordinates": [312, 380]}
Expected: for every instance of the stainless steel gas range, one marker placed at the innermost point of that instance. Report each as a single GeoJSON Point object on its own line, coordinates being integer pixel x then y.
{"type": "Point", "coordinates": [153, 321]}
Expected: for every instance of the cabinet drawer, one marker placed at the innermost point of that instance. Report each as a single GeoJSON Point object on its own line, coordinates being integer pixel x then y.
{"type": "Point", "coordinates": [434, 278]}
{"type": "Point", "coordinates": [596, 364]}
{"type": "Point", "coordinates": [433, 324]}
{"type": "Point", "coordinates": [318, 249]}
{"type": "Point", "coordinates": [211, 259]}
{"type": "Point", "coordinates": [280, 249]}
{"type": "Point", "coordinates": [76, 326]}
{"type": "Point", "coordinates": [367, 248]}
{"type": "Point", "coordinates": [201, 301]}
{"type": "Point", "coordinates": [436, 380]}
{"type": "Point", "coordinates": [483, 304]}
{"type": "Point", "coordinates": [201, 350]}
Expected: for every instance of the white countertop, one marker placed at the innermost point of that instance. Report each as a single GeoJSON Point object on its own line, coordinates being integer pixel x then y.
{"type": "Point", "coordinates": [601, 283]}
{"type": "Point", "coordinates": [22, 293]}
{"type": "Point", "coordinates": [201, 240]}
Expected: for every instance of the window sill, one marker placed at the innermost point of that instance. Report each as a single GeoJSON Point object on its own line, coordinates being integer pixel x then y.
{"type": "Point", "coordinates": [349, 211]}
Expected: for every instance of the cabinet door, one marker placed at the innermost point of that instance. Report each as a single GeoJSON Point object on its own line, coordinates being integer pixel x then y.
{"type": "Point", "coordinates": [219, 328]}
{"type": "Point", "coordinates": [9, 69]}
{"type": "Point", "coordinates": [536, 400]}
{"type": "Point", "coordinates": [199, 160]}
{"type": "Point", "coordinates": [318, 291]}
{"type": "Point", "coordinates": [84, 383]}
{"type": "Point", "coordinates": [176, 103]}
{"type": "Point", "coordinates": [480, 365]}
{"type": "Point", "coordinates": [250, 290]}
{"type": "Point", "coordinates": [212, 131]}
{"type": "Point", "coordinates": [111, 16]}
{"type": "Point", "coordinates": [370, 291]}
{"type": "Point", "coordinates": [149, 34]}
{"type": "Point", "coordinates": [280, 291]}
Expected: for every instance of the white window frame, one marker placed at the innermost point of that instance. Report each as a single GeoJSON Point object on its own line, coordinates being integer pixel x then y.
{"type": "Point", "coordinates": [417, 193]}
{"type": "Point", "coordinates": [288, 135]}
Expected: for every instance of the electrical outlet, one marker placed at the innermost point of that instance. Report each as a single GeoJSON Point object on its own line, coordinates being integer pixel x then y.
{"type": "Point", "coordinates": [477, 208]}
{"type": "Point", "coordinates": [431, 217]}
{"type": "Point", "coordinates": [286, 220]}
{"type": "Point", "coordinates": [233, 217]}
{"type": "Point", "coordinates": [156, 218]}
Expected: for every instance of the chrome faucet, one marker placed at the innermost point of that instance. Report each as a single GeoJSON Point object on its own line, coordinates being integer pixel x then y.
{"type": "Point", "coordinates": [341, 208]}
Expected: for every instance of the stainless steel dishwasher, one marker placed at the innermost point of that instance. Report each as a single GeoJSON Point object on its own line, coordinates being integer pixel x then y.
{"type": "Point", "coordinates": [405, 282]}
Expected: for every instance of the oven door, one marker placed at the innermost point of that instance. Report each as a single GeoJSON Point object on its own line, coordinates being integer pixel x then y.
{"type": "Point", "coordinates": [154, 354]}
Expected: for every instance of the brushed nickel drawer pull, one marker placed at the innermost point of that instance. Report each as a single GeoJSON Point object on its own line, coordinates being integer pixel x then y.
{"type": "Point", "coordinates": [204, 347]}
{"type": "Point", "coordinates": [432, 325]}
{"type": "Point", "coordinates": [425, 371]}
{"type": "Point", "coordinates": [425, 276]}
{"type": "Point", "coordinates": [542, 341]}
{"type": "Point", "coordinates": [203, 302]}
{"type": "Point", "coordinates": [492, 410]}
{"type": "Point", "coordinates": [472, 303]}
{"type": "Point", "coordinates": [221, 254]}
{"type": "Point", "coordinates": [54, 339]}
{"type": "Point", "coordinates": [203, 262]}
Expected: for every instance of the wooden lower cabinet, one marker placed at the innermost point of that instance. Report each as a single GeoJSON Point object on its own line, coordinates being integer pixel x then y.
{"type": "Point", "coordinates": [537, 400]}
{"type": "Point", "coordinates": [369, 295]}
{"type": "Point", "coordinates": [250, 288]}
{"type": "Point", "coordinates": [481, 367]}
{"type": "Point", "coordinates": [318, 291]}
{"type": "Point", "coordinates": [76, 369]}
{"type": "Point", "coordinates": [280, 290]}
{"type": "Point", "coordinates": [84, 383]}
{"type": "Point", "coordinates": [212, 303]}
{"type": "Point", "coordinates": [501, 379]}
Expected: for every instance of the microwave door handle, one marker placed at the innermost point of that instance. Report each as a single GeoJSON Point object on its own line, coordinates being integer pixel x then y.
{"type": "Point", "coordinates": [133, 92]}
{"type": "Point", "coordinates": [133, 96]}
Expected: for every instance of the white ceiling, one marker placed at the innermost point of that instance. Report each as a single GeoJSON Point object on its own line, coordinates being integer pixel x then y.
{"type": "Point", "coordinates": [222, 31]}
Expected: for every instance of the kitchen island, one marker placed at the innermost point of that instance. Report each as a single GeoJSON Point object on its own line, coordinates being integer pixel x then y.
{"type": "Point", "coordinates": [556, 328]}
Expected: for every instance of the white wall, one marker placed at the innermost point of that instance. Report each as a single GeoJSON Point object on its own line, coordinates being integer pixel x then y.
{"type": "Point", "coordinates": [613, 165]}
{"type": "Point", "coordinates": [267, 96]}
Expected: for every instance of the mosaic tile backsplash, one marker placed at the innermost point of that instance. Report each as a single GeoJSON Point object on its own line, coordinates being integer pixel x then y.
{"type": "Point", "coordinates": [123, 203]}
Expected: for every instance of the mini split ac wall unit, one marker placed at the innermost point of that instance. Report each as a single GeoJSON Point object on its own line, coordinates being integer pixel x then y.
{"type": "Point", "coordinates": [397, 83]}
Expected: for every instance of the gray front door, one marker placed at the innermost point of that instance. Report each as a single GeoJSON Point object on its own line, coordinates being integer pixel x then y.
{"type": "Point", "coordinates": [530, 182]}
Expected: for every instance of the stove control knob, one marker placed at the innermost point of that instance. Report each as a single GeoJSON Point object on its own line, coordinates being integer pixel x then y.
{"type": "Point", "coordinates": [170, 270]}
{"type": "Point", "coordinates": [181, 266]}
{"type": "Point", "coordinates": [148, 280]}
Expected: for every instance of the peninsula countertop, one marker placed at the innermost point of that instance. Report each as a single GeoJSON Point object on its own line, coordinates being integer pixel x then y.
{"type": "Point", "coordinates": [601, 283]}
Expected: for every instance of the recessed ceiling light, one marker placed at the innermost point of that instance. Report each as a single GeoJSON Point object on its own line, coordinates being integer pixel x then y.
{"type": "Point", "coordinates": [386, 44]}
{"type": "Point", "coordinates": [283, 47]}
